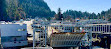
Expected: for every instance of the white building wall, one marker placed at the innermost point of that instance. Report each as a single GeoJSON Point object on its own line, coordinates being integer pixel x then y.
{"type": "Point", "coordinates": [12, 30]}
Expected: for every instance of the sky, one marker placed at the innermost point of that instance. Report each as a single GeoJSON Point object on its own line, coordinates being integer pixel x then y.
{"type": "Point", "coordinates": [91, 6]}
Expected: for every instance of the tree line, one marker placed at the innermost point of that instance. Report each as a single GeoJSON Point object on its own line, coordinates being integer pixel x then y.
{"type": "Point", "coordinates": [86, 15]}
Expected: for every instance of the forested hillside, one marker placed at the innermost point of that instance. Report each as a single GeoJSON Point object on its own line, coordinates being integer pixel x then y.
{"type": "Point", "coordinates": [2, 10]}
{"type": "Point", "coordinates": [22, 9]}
{"type": "Point", "coordinates": [36, 8]}
{"type": "Point", "coordinates": [84, 15]}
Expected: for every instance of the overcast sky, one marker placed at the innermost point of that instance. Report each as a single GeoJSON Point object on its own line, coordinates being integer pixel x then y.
{"type": "Point", "coordinates": [95, 6]}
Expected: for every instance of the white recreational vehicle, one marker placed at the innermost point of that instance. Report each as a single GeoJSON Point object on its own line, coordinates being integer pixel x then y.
{"type": "Point", "coordinates": [13, 35]}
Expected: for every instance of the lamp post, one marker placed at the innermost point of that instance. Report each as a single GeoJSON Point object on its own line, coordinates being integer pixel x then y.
{"type": "Point", "coordinates": [33, 38]}
{"type": "Point", "coordinates": [62, 20]}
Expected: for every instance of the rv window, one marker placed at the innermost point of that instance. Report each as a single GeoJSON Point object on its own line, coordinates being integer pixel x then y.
{"type": "Point", "coordinates": [21, 29]}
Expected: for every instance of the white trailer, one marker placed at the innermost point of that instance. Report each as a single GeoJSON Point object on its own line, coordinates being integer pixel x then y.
{"type": "Point", "coordinates": [13, 35]}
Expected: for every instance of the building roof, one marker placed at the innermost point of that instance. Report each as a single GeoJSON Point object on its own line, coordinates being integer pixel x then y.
{"type": "Point", "coordinates": [69, 33]}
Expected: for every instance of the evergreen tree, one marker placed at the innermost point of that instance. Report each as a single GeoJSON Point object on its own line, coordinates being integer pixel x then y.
{"type": "Point", "coordinates": [59, 16]}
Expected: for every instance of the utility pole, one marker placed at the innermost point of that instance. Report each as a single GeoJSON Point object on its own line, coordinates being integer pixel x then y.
{"type": "Point", "coordinates": [62, 20]}
{"type": "Point", "coordinates": [46, 35]}
{"type": "Point", "coordinates": [33, 38]}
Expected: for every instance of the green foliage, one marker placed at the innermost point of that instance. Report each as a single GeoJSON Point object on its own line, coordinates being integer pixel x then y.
{"type": "Point", "coordinates": [17, 9]}
{"type": "Point", "coordinates": [36, 8]}
{"type": "Point", "coordinates": [79, 14]}
{"type": "Point", "coordinates": [2, 10]}
{"type": "Point", "coordinates": [14, 12]}
{"type": "Point", "coordinates": [59, 16]}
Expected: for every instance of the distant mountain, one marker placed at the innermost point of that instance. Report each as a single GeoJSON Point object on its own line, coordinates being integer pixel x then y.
{"type": "Point", "coordinates": [36, 8]}
{"type": "Point", "coordinates": [17, 9]}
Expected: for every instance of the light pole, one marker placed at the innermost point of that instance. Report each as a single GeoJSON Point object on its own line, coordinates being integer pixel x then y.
{"type": "Point", "coordinates": [62, 20]}
{"type": "Point", "coordinates": [33, 38]}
